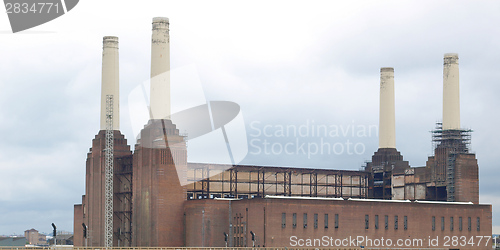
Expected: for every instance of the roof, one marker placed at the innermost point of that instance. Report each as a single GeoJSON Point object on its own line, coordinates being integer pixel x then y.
{"type": "Point", "coordinates": [192, 165]}
{"type": "Point", "coordinates": [446, 202]}
{"type": "Point", "coordinates": [302, 198]}
{"type": "Point", "coordinates": [12, 241]}
{"type": "Point", "coordinates": [370, 200]}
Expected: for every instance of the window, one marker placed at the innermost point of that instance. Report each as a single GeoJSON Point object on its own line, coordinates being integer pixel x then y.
{"type": "Point", "coordinates": [433, 223]}
{"type": "Point", "coordinates": [406, 222]}
{"type": "Point", "coordinates": [451, 223]}
{"type": "Point", "coordinates": [283, 220]}
{"type": "Point", "coordinates": [469, 227]}
{"type": "Point", "coordinates": [376, 221]}
{"type": "Point", "coordinates": [326, 220]}
{"type": "Point", "coordinates": [305, 220]}
{"type": "Point", "coordinates": [387, 222]}
{"type": "Point", "coordinates": [395, 222]}
{"type": "Point", "coordinates": [478, 224]}
{"type": "Point", "coordinates": [336, 220]}
{"type": "Point", "coordinates": [442, 223]}
{"type": "Point", "coordinates": [315, 220]}
{"type": "Point", "coordinates": [367, 221]}
{"type": "Point", "coordinates": [460, 223]}
{"type": "Point", "coordinates": [294, 220]}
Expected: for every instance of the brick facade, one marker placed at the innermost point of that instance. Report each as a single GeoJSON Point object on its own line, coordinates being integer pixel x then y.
{"type": "Point", "coordinates": [160, 160]}
{"type": "Point", "coordinates": [345, 218]}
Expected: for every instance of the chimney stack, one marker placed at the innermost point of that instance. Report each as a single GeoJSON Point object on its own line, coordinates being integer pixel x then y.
{"type": "Point", "coordinates": [451, 93]}
{"type": "Point", "coordinates": [110, 80]}
{"type": "Point", "coordinates": [387, 121]}
{"type": "Point", "coordinates": [160, 69]}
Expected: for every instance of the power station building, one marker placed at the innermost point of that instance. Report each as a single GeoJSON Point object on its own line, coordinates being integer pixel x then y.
{"type": "Point", "coordinates": [387, 204]}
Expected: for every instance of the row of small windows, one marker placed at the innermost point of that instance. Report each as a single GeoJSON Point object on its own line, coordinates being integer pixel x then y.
{"type": "Point", "coordinates": [304, 220]}
{"type": "Point", "coordinates": [386, 220]}
{"type": "Point", "coordinates": [452, 226]}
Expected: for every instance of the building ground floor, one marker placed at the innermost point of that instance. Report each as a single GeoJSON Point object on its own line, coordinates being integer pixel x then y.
{"type": "Point", "coordinates": [276, 221]}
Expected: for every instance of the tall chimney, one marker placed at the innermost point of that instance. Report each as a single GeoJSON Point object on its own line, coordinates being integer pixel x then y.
{"type": "Point", "coordinates": [160, 69]}
{"type": "Point", "coordinates": [387, 122]}
{"type": "Point", "coordinates": [110, 80]}
{"type": "Point", "coordinates": [451, 92]}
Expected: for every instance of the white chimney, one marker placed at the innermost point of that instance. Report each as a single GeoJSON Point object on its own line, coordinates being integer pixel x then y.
{"type": "Point", "coordinates": [451, 92]}
{"type": "Point", "coordinates": [160, 70]}
{"type": "Point", "coordinates": [110, 80]}
{"type": "Point", "coordinates": [387, 122]}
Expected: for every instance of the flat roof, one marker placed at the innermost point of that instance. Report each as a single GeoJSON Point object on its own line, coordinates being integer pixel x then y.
{"type": "Point", "coordinates": [445, 202]}
{"type": "Point", "coordinates": [379, 200]}
{"type": "Point", "coordinates": [302, 198]}
{"type": "Point", "coordinates": [369, 200]}
{"type": "Point", "coordinates": [215, 166]}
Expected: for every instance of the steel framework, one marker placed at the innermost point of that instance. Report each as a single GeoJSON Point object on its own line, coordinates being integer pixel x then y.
{"type": "Point", "coordinates": [109, 158]}
{"type": "Point", "coordinates": [208, 181]}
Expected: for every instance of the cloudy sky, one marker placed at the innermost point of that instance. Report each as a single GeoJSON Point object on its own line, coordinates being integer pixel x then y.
{"type": "Point", "coordinates": [286, 63]}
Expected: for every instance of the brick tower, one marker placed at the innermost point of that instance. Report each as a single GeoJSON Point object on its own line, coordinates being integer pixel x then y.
{"type": "Point", "coordinates": [387, 160]}
{"type": "Point", "coordinates": [453, 170]}
{"type": "Point", "coordinates": [160, 158]}
{"type": "Point", "coordinates": [160, 162]}
{"type": "Point", "coordinates": [91, 211]}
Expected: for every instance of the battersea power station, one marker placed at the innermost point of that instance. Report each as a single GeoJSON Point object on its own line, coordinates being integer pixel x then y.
{"type": "Point", "coordinates": [153, 197]}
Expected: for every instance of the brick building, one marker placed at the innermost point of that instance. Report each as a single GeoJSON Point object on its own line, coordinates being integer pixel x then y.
{"type": "Point", "coordinates": [278, 221]}
{"type": "Point", "coordinates": [276, 206]}
{"type": "Point", "coordinates": [34, 237]}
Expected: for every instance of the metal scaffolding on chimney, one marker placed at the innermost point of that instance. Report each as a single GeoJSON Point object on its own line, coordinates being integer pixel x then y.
{"type": "Point", "coordinates": [109, 158]}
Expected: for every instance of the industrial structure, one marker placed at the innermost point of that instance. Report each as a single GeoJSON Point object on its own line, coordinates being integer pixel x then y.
{"type": "Point", "coordinates": [241, 205]}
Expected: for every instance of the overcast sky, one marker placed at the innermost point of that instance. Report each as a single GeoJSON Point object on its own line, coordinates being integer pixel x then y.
{"type": "Point", "coordinates": [286, 63]}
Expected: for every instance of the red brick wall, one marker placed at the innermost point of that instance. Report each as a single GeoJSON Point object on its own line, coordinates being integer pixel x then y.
{"type": "Point", "coordinates": [94, 185]}
{"type": "Point", "coordinates": [206, 222]}
{"type": "Point", "coordinates": [77, 226]}
{"type": "Point", "coordinates": [267, 225]}
{"type": "Point", "coordinates": [158, 197]}
{"type": "Point", "coordinates": [466, 178]}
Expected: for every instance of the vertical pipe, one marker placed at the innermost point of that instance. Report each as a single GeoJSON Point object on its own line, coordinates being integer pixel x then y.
{"type": "Point", "coordinates": [451, 92]}
{"type": "Point", "coordinates": [160, 69]}
{"type": "Point", "coordinates": [230, 214]}
{"type": "Point", "coordinates": [264, 243]}
{"type": "Point", "coordinates": [110, 79]}
{"type": "Point", "coordinates": [203, 228]}
{"type": "Point", "coordinates": [387, 120]}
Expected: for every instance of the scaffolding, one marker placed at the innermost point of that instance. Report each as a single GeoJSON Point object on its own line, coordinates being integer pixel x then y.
{"type": "Point", "coordinates": [450, 177]}
{"type": "Point", "coordinates": [108, 190]}
{"type": "Point", "coordinates": [123, 194]}
{"type": "Point", "coordinates": [458, 139]}
{"type": "Point", "coordinates": [448, 144]}
{"type": "Point", "coordinates": [209, 181]}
